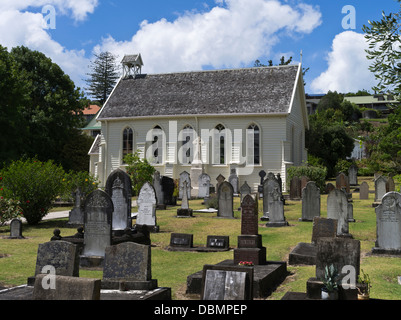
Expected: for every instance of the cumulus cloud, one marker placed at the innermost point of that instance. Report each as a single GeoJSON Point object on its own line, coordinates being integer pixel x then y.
{"type": "Point", "coordinates": [347, 69]}
{"type": "Point", "coordinates": [231, 34]}
{"type": "Point", "coordinates": [19, 26]}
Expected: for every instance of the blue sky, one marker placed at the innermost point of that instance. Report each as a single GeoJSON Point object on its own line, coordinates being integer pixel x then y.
{"type": "Point", "coordinates": [184, 35]}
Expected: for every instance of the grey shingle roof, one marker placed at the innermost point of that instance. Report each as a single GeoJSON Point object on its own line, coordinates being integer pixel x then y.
{"type": "Point", "coordinates": [252, 90]}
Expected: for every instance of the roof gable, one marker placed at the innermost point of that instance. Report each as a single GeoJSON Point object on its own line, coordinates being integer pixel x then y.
{"type": "Point", "coordinates": [265, 90]}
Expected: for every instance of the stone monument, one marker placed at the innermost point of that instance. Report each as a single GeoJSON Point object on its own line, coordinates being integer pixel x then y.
{"type": "Point", "coordinates": [147, 207]}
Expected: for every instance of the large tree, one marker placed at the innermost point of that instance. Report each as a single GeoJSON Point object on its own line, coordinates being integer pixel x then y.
{"type": "Point", "coordinates": [103, 76]}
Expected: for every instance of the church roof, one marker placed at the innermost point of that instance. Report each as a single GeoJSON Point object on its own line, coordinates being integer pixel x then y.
{"type": "Point", "coordinates": [264, 90]}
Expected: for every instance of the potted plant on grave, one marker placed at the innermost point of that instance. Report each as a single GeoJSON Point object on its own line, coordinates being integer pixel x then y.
{"type": "Point", "coordinates": [363, 286]}
{"type": "Point", "coordinates": [330, 283]}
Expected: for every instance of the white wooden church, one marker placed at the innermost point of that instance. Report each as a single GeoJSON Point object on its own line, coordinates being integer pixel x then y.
{"type": "Point", "coordinates": [248, 119]}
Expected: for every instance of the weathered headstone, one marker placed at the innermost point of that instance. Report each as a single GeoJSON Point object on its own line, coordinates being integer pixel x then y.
{"type": "Point", "coordinates": [353, 175]}
{"type": "Point", "coordinates": [250, 241]}
{"type": "Point", "coordinates": [310, 201]}
{"type": "Point", "coordinates": [276, 208]}
{"type": "Point", "coordinates": [128, 260]}
{"type": "Point", "coordinates": [76, 215]}
{"type": "Point", "coordinates": [390, 185]}
{"type": "Point", "coordinates": [119, 188]}
{"type": "Point", "coordinates": [269, 184]}
{"type": "Point", "coordinates": [244, 190]}
{"type": "Point", "coordinates": [323, 228]}
{"type": "Point", "coordinates": [304, 181]}
{"type": "Point", "coordinates": [339, 252]}
{"type": "Point", "coordinates": [329, 187]}
{"type": "Point", "coordinates": [342, 182]}
{"type": "Point", "coordinates": [66, 288]}
{"type": "Point", "coordinates": [98, 224]}
{"type": "Point", "coordinates": [220, 179]}
{"type": "Point", "coordinates": [184, 211]}
{"type": "Point", "coordinates": [295, 188]}
{"type": "Point", "coordinates": [147, 207]}
{"type": "Point", "coordinates": [233, 179]}
{"type": "Point", "coordinates": [157, 185]}
{"type": "Point", "coordinates": [227, 283]}
{"type": "Point", "coordinates": [61, 255]}
{"type": "Point", "coordinates": [226, 200]}
{"type": "Point", "coordinates": [380, 188]}
{"type": "Point", "coordinates": [204, 185]}
{"type": "Point", "coordinates": [364, 191]}
{"type": "Point", "coordinates": [388, 224]}
{"type": "Point", "coordinates": [184, 176]}
{"type": "Point", "coordinates": [337, 208]}
{"type": "Point", "coordinates": [16, 229]}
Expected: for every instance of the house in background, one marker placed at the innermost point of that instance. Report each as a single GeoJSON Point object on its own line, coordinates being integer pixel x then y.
{"type": "Point", "coordinates": [214, 122]}
{"type": "Point", "coordinates": [379, 102]}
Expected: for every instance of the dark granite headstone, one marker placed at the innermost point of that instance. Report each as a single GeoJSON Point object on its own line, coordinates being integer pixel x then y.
{"type": "Point", "coordinates": [168, 190]}
{"type": "Point", "coordinates": [323, 228]}
{"type": "Point", "coordinates": [183, 240]}
{"type": "Point", "coordinates": [218, 242]}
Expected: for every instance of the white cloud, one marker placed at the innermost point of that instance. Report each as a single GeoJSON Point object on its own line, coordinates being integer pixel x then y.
{"type": "Point", "coordinates": [232, 34]}
{"type": "Point", "coordinates": [347, 66]}
{"type": "Point", "coordinates": [19, 27]}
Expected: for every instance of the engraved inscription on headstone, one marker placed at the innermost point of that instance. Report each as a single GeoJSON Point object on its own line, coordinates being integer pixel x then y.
{"type": "Point", "coordinates": [146, 205]}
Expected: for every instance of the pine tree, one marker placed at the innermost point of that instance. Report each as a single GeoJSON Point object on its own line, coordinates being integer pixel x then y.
{"type": "Point", "coordinates": [103, 77]}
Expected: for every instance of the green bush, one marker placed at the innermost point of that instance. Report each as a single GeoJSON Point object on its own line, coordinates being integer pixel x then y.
{"type": "Point", "coordinates": [316, 174]}
{"type": "Point", "coordinates": [35, 184]}
{"type": "Point", "coordinates": [9, 209]}
{"type": "Point", "coordinates": [82, 180]}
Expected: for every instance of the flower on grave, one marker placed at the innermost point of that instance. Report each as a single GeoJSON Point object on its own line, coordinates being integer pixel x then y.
{"type": "Point", "coordinates": [246, 263]}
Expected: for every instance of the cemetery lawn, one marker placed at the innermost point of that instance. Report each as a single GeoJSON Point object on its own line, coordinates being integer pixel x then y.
{"type": "Point", "coordinates": [171, 268]}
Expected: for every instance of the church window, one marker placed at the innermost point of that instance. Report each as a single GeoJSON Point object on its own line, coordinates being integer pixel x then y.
{"type": "Point", "coordinates": [253, 145]}
{"type": "Point", "coordinates": [219, 144]}
{"type": "Point", "coordinates": [128, 141]}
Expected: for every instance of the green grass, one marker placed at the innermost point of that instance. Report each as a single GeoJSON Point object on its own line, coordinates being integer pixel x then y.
{"type": "Point", "coordinates": [171, 268]}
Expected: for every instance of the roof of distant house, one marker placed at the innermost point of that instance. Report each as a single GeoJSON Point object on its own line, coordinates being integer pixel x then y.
{"type": "Point", "coordinates": [265, 90]}
{"type": "Point", "coordinates": [91, 109]}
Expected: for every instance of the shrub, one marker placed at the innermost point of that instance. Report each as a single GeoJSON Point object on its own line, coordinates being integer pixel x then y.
{"type": "Point", "coordinates": [9, 209]}
{"type": "Point", "coordinates": [35, 184]}
{"type": "Point", "coordinates": [82, 180]}
{"type": "Point", "coordinates": [316, 174]}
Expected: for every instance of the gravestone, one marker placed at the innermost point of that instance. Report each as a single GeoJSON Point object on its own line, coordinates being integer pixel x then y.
{"type": "Point", "coordinates": [119, 188]}
{"type": "Point", "coordinates": [276, 208]}
{"type": "Point", "coordinates": [250, 241]}
{"type": "Point", "coordinates": [181, 240]}
{"type": "Point", "coordinates": [337, 208]}
{"type": "Point", "coordinates": [226, 200]}
{"type": "Point", "coordinates": [364, 191]}
{"type": "Point", "coordinates": [184, 211]}
{"type": "Point", "coordinates": [262, 175]}
{"type": "Point", "coordinates": [233, 179]}
{"type": "Point", "coordinates": [76, 215]}
{"type": "Point", "coordinates": [184, 176]}
{"type": "Point", "coordinates": [16, 229]}
{"type": "Point", "coordinates": [380, 188]}
{"type": "Point", "coordinates": [295, 188]}
{"type": "Point", "coordinates": [61, 255]}
{"type": "Point", "coordinates": [305, 253]}
{"type": "Point", "coordinates": [353, 175]}
{"type": "Point", "coordinates": [167, 184]}
{"type": "Point", "coordinates": [304, 181]}
{"type": "Point", "coordinates": [244, 190]}
{"type": "Point", "coordinates": [204, 186]}
{"type": "Point", "coordinates": [220, 179]}
{"type": "Point", "coordinates": [390, 185]}
{"type": "Point", "coordinates": [269, 184]}
{"type": "Point", "coordinates": [310, 201]}
{"type": "Point", "coordinates": [67, 288]}
{"type": "Point", "coordinates": [227, 283]}
{"type": "Point", "coordinates": [98, 227]}
{"type": "Point", "coordinates": [342, 182]}
{"type": "Point", "coordinates": [340, 252]}
{"type": "Point", "coordinates": [388, 224]}
{"type": "Point", "coordinates": [129, 264]}
{"type": "Point", "coordinates": [218, 242]}
{"type": "Point", "coordinates": [157, 185]}
{"type": "Point", "coordinates": [329, 187]}
{"type": "Point", "coordinates": [147, 207]}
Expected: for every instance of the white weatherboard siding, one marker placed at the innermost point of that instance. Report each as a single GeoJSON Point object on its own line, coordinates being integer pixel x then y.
{"type": "Point", "coordinates": [282, 131]}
